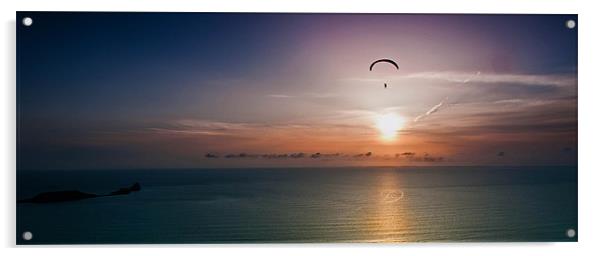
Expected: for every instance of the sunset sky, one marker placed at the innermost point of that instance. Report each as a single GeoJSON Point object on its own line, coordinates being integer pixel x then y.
{"type": "Point", "coordinates": [123, 90]}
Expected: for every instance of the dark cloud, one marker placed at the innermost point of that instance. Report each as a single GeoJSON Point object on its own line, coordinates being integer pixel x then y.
{"type": "Point", "coordinates": [297, 155]}
{"type": "Point", "coordinates": [274, 155]}
{"type": "Point", "coordinates": [241, 155]}
{"type": "Point", "coordinates": [209, 155]}
{"type": "Point", "coordinates": [406, 154]}
{"type": "Point", "coordinates": [368, 154]}
{"type": "Point", "coordinates": [428, 158]}
{"type": "Point", "coordinates": [321, 155]}
{"type": "Point", "coordinates": [403, 157]}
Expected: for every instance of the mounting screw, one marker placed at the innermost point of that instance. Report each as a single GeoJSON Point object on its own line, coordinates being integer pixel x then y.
{"type": "Point", "coordinates": [27, 21]}
{"type": "Point", "coordinates": [571, 233]}
{"type": "Point", "coordinates": [27, 235]}
{"type": "Point", "coordinates": [571, 24]}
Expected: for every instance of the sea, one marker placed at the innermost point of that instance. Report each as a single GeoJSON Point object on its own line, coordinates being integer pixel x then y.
{"type": "Point", "coordinates": [304, 205]}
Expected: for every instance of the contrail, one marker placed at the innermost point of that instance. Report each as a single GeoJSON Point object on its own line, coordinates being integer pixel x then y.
{"type": "Point", "coordinates": [433, 110]}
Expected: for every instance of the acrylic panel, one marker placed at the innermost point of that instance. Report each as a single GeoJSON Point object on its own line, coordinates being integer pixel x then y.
{"type": "Point", "coordinates": [295, 128]}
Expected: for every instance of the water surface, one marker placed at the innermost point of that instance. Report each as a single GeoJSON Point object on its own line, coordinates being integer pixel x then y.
{"type": "Point", "coordinates": [377, 204]}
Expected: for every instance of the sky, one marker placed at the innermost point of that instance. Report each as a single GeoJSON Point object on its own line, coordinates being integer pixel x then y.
{"type": "Point", "coordinates": [216, 90]}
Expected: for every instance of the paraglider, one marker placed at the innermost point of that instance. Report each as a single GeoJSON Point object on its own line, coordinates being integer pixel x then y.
{"type": "Point", "coordinates": [384, 61]}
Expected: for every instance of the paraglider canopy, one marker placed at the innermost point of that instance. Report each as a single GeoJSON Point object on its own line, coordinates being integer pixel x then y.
{"type": "Point", "coordinates": [385, 61]}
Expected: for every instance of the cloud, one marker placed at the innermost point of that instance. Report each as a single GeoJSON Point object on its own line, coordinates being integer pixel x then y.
{"type": "Point", "coordinates": [463, 77]}
{"type": "Point", "coordinates": [209, 124]}
{"type": "Point", "coordinates": [431, 111]}
{"type": "Point", "coordinates": [557, 80]}
{"type": "Point", "coordinates": [297, 155]}
{"type": "Point", "coordinates": [201, 127]}
{"type": "Point", "coordinates": [209, 155]}
{"type": "Point", "coordinates": [320, 95]}
{"type": "Point", "coordinates": [214, 128]}
{"type": "Point", "coordinates": [368, 154]}
{"type": "Point", "coordinates": [279, 96]}
{"type": "Point", "coordinates": [533, 102]}
{"type": "Point", "coordinates": [310, 95]}
{"type": "Point", "coordinates": [184, 131]}
{"type": "Point", "coordinates": [411, 157]}
{"type": "Point", "coordinates": [510, 101]}
{"type": "Point", "coordinates": [255, 156]}
{"type": "Point", "coordinates": [553, 121]}
{"type": "Point", "coordinates": [478, 77]}
{"type": "Point", "coordinates": [407, 156]}
{"type": "Point", "coordinates": [210, 127]}
{"type": "Point", "coordinates": [278, 156]}
{"type": "Point", "coordinates": [428, 158]}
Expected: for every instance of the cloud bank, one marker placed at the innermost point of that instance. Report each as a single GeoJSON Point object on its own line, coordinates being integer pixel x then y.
{"type": "Point", "coordinates": [463, 77]}
{"type": "Point", "coordinates": [405, 156]}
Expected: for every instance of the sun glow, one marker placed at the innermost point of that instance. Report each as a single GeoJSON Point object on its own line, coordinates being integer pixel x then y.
{"type": "Point", "coordinates": [388, 125]}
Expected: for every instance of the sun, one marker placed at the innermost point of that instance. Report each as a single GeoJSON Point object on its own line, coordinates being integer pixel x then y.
{"type": "Point", "coordinates": [388, 125]}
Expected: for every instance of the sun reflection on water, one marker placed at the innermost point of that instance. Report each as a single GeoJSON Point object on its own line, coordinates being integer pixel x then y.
{"type": "Point", "coordinates": [388, 219]}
